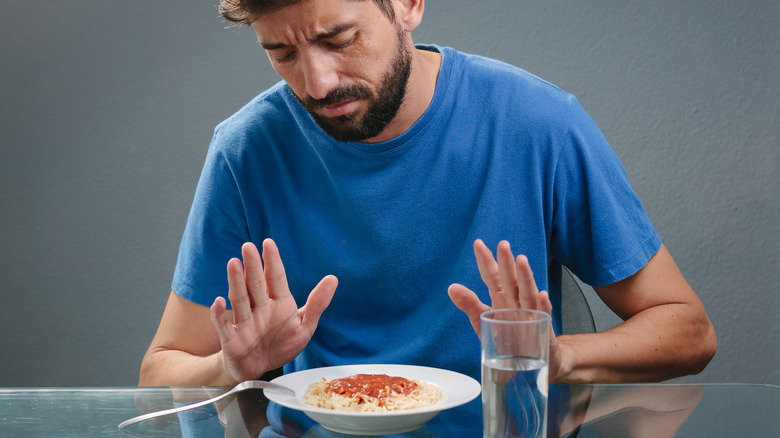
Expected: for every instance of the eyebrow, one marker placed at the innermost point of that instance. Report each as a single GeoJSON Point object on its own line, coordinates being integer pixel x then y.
{"type": "Point", "coordinates": [319, 37]}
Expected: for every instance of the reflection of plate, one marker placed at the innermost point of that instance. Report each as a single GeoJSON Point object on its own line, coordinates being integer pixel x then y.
{"type": "Point", "coordinates": [457, 389]}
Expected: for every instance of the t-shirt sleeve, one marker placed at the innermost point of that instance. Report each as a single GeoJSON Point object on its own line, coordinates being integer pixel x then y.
{"type": "Point", "coordinates": [600, 228]}
{"type": "Point", "coordinates": [215, 230]}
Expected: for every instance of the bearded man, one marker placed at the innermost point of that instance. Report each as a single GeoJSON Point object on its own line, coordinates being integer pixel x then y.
{"type": "Point", "coordinates": [394, 167]}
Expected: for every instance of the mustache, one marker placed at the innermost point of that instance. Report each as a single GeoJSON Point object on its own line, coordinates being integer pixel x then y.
{"type": "Point", "coordinates": [339, 95]}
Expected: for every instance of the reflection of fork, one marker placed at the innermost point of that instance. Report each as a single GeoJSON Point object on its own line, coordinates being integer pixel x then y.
{"type": "Point", "coordinates": [249, 384]}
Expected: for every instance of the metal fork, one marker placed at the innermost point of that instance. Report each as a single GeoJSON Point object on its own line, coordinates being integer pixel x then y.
{"type": "Point", "coordinates": [243, 386]}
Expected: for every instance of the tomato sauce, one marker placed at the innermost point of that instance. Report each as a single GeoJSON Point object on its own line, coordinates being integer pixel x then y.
{"type": "Point", "coordinates": [366, 387]}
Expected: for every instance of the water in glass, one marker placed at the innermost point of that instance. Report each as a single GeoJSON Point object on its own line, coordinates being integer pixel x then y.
{"type": "Point", "coordinates": [514, 393]}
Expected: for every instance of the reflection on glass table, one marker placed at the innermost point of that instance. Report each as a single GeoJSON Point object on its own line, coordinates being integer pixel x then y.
{"type": "Point", "coordinates": [652, 410]}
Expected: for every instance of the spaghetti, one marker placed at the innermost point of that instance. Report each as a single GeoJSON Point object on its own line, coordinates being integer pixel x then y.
{"type": "Point", "coordinates": [371, 393]}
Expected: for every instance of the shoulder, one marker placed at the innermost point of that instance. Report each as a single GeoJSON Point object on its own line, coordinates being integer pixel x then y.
{"type": "Point", "coordinates": [483, 72]}
{"type": "Point", "coordinates": [510, 91]}
{"type": "Point", "coordinates": [263, 117]}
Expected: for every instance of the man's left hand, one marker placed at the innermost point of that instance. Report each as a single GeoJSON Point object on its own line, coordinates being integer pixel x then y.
{"type": "Point", "coordinates": [511, 285]}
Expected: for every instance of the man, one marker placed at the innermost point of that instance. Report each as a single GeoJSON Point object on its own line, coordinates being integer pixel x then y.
{"type": "Point", "coordinates": [395, 167]}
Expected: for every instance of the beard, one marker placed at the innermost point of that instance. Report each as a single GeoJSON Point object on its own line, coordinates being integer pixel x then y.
{"type": "Point", "coordinates": [382, 106]}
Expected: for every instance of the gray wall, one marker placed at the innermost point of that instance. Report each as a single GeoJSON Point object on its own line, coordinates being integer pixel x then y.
{"type": "Point", "coordinates": [107, 107]}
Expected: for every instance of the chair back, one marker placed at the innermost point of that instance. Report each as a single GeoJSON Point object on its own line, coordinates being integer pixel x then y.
{"type": "Point", "coordinates": [576, 316]}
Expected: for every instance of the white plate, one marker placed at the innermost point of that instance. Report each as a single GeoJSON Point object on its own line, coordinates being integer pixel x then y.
{"type": "Point", "coordinates": [457, 389]}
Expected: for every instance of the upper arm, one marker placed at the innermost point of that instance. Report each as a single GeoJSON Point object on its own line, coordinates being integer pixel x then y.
{"type": "Point", "coordinates": [659, 282]}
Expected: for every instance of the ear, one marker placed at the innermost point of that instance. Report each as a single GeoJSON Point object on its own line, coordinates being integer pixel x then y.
{"type": "Point", "coordinates": [409, 13]}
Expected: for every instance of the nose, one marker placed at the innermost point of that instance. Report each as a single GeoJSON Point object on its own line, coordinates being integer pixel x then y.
{"type": "Point", "coordinates": [319, 74]}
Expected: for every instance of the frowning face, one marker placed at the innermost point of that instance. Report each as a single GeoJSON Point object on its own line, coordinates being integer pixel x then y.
{"type": "Point", "coordinates": [346, 62]}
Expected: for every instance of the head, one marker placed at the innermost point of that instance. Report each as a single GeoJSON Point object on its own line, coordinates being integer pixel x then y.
{"type": "Point", "coordinates": [349, 67]}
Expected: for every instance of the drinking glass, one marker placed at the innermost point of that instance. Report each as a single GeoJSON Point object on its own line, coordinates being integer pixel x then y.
{"type": "Point", "coordinates": [515, 353]}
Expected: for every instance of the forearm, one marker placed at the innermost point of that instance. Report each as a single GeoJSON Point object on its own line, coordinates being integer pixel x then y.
{"type": "Point", "coordinates": [657, 344]}
{"type": "Point", "coordinates": [166, 367]}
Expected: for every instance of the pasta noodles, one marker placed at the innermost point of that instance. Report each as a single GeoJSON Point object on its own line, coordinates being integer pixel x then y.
{"type": "Point", "coordinates": [371, 393]}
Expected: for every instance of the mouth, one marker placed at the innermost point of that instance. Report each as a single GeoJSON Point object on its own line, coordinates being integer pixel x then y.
{"type": "Point", "coordinates": [339, 109]}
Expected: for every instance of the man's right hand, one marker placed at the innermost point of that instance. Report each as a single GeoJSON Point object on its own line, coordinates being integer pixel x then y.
{"type": "Point", "coordinates": [267, 330]}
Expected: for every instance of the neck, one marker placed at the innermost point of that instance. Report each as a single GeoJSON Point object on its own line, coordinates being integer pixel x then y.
{"type": "Point", "coordinates": [419, 93]}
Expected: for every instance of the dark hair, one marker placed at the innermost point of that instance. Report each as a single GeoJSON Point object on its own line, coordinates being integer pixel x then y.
{"type": "Point", "coordinates": [247, 11]}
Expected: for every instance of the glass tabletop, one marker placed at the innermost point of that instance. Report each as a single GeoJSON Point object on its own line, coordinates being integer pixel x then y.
{"type": "Point", "coordinates": [620, 410]}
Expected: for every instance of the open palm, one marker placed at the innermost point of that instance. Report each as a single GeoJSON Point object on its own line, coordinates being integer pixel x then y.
{"type": "Point", "coordinates": [511, 285]}
{"type": "Point", "coordinates": [267, 329]}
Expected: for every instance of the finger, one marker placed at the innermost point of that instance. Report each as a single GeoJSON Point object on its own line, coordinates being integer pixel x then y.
{"type": "Point", "coordinates": [488, 271]}
{"type": "Point", "coordinates": [319, 299]}
{"type": "Point", "coordinates": [253, 275]}
{"type": "Point", "coordinates": [221, 320]}
{"type": "Point", "coordinates": [507, 274]}
{"type": "Point", "coordinates": [528, 293]}
{"type": "Point", "coordinates": [275, 276]}
{"type": "Point", "coordinates": [544, 303]}
{"type": "Point", "coordinates": [555, 354]}
{"type": "Point", "coordinates": [237, 293]}
{"type": "Point", "coordinates": [468, 302]}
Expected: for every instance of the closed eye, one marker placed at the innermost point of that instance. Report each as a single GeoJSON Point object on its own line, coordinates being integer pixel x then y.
{"type": "Point", "coordinates": [337, 38]}
{"type": "Point", "coordinates": [339, 45]}
{"type": "Point", "coordinates": [285, 57]}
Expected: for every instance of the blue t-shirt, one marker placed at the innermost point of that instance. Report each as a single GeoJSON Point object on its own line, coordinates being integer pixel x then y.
{"type": "Point", "coordinates": [499, 154]}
